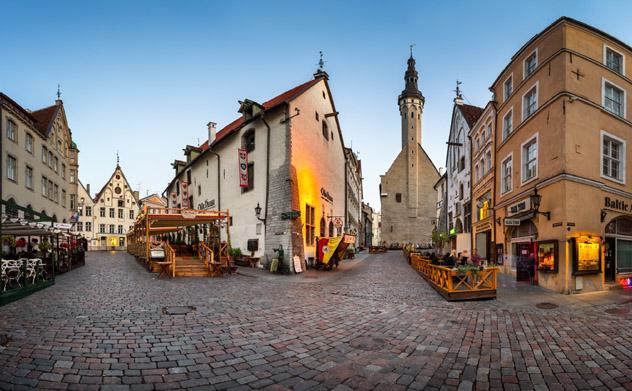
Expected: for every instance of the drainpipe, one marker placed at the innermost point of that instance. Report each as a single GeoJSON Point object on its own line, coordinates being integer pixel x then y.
{"type": "Point", "coordinates": [267, 167]}
{"type": "Point", "coordinates": [219, 196]}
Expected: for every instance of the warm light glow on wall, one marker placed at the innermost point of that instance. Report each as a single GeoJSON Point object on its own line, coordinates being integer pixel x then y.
{"type": "Point", "coordinates": [113, 241]}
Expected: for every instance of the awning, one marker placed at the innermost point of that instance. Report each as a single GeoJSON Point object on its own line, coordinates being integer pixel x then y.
{"type": "Point", "coordinates": [22, 227]}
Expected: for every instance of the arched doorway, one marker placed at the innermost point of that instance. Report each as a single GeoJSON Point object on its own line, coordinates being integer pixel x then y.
{"type": "Point", "coordinates": [323, 227]}
{"type": "Point", "coordinates": [618, 247]}
{"type": "Point", "coordinates": [523, 250]}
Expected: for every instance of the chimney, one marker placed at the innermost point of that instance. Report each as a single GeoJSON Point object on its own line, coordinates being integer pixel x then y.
{"type": "Point", "coordinates": [212, 132]}
{"type": "Point", "coordinates": [88, 189]}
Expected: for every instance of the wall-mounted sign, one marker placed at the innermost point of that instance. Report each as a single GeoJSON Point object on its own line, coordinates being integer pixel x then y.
{"type": "Point", "coordinates": [512, 222]}
{"type": "Point", "coordinates": [617, 205]}
{"type": "Point", "coordinates": [206, 204]}
{"type": "Point", "coordinates": [243, 167]}
{"type": "Point", "coordinates": [338, 222]}
{"type": "Point", "coordinates": [295, 214]}
{"type": "Point", "coordinates": [325, 195]}
{"type": "Point", "coordinates": [518, 207]}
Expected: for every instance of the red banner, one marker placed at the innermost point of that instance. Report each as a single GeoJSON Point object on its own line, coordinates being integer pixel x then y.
{"type": "Point", "coordinates": [184, 192]}
{"type": "Point", "coordinates": [243, 167]}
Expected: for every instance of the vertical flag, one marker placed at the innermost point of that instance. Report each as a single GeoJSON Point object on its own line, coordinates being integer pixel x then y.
{"type": "Point", "coordinates": [243, 167]}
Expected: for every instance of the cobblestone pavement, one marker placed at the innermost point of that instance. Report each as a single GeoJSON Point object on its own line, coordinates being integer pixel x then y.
{"type": "Point", "coordinates": [374, 325]}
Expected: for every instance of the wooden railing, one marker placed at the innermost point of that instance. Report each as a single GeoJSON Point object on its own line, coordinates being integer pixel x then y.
{"type": "Point", "coordinates": [454, 284]}
{"type": "Point", "coordinates": [170, 256]}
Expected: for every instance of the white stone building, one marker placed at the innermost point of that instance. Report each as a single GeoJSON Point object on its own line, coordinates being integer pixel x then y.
{"type": "Point", "coordinates": [407, 194]}
{"type": "Point", "coordinates": [105, 219]}
{"type": "Point", "coordinates": [39, 162]}
{"type": "Point", "coordinates": [459, 206]}
{"type": "Point", "coordinates": [294, 166]}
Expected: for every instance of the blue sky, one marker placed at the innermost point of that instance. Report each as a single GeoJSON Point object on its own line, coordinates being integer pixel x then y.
{"type": "Point", "coordinates": [144, 77]}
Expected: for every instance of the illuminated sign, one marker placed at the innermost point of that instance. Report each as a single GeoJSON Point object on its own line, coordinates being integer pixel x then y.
{"type": "Point", "coordinates": [626, 282]}
{"type": "Point", "coordinates": [243, 167]}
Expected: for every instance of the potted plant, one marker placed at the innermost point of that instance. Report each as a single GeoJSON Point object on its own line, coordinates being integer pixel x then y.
{"type": "Point", "coordinates": [235, 254]}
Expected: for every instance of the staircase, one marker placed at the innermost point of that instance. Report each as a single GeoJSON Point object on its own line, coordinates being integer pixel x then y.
{"type": "Point", "coordinates": [190, 266]}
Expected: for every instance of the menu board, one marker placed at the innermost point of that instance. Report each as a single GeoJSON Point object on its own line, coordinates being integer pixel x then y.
{"type": "Point", "coordinates": [588, 259]}
{"type": "Point", "coordinates": [547, 256]}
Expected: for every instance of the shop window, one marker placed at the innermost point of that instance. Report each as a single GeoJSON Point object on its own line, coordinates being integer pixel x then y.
{"type": "Point", "coordinates": [547, 256]}
{"type": "Point", "coordinates": [586, 255]}
{"type": "Point", "coordinates": [612, 157]}
{"type": "Point", "coordinates": [310, 225]}
{"type": "Point", "coordinates": [613, 98]}
{"type": "Point", "coordinates": [614, 60]}
{"type": "Point", "coordinates": [624, 256]}
{"type": "Point", "coordinates": [248, 140]}
{"type": "Point", "coordinates": [525, 230]}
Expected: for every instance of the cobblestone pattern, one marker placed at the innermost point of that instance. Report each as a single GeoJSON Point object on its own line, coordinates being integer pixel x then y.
{"type": "Point", "coordinates": [375, 326]}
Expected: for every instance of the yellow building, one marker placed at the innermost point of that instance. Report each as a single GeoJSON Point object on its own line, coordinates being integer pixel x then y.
{"type": "Point", "coordinates": [563, 203]}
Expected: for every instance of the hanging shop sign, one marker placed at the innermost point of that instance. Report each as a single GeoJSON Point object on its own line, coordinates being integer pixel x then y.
{"type": "Point", "coordinates": [184, 193]}
{"type": "Point", "coordinates": [295, 214]}
{"type": "Point", "coordinates": [338, 223]}
{"type": "Point", "coordinates": [325, 195]}
{"type": "Point", "coordinates": [519, 207]}
{"type": "Point", "coordinates": [243, 167]}
{"type": "Point", "coordinates": [206, 204]}
{"type": "Point", "coordinates": [62, 225]}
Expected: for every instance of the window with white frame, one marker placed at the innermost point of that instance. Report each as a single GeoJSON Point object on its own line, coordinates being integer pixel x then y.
{"type": "Point", "coordinates": [111, 228]}
{"type": "Point", "coordinates": [530, 159]}
{"type": "Point", "coordinates": [614, 60]}
{"type": "Point", "coordinates": [12, 166]}
{"type": "Point", "coordinates": [88, 226]}
{"type": "Point", "coordinates": [79, 226]}
{"type": "Point", "coordinates": [508, 87]}
{"type": "Point", "coordinates": [12, 130]}
{"type": "Point", "coordinates": [120, 229]}
{"type": "Point", "coordinates": [28, 143]}
{"type": "Point", "coordinates": [507, 124]}
{"type": "Point", "coordinates": [28, 177]}
{"type": "Point", "coordinates": [530, 102]}
{"type": "Point", "coordinates": [44, 185]}
{"type": "Point", "coordinates": [44, 154]}
{"type": "Point", "coordinates": [488, 161]}
{"type": "Point", "coordinates": [612, 157]}
{"type": "Point", "coordinates": [102, 228]}
{"type": "Point", "coordinates": [613, 99]}
{"type": "Point", "coordinates": [530, 63]}
{"type": "Point", "coordinates": [507, 172]}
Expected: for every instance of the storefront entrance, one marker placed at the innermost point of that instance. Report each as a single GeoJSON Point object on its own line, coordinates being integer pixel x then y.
{"type": "Point", "coordinates": [523, 253]}
{"type": "Point", "coordinates": [618, 248]}
{"type": "Point", "coordinates": [610, 259]}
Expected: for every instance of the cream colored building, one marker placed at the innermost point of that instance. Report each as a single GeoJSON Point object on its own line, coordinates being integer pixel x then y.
{"type": "Point", "coordinates": [563, 126]}
{"type": "Point", "coordinates": [353, 184]}
{"type": "Point", "coordinates": [294, 168]}
{"type": "Point", "coordinates": [39, 162]}
{"type": "Point", "coordinates": [407, 195]}
{"type": "Point", "coordinates": [106, 218]}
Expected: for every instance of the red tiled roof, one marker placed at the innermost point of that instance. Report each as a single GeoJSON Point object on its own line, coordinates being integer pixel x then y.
{"type": "Point", "coordinates": [274, 102]}
{"type": "Point", "coordinates": [43, 118]}
{"type": "Point", "coordinates": [471, 113]}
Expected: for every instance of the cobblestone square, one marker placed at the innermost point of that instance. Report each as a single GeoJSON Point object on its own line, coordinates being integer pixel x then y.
{"type": "Point", "coordinates": [374, 324]}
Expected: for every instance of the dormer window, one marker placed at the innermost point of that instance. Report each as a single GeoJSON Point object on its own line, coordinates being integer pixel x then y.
{"type": "Point", "coordinates": [248, 140]}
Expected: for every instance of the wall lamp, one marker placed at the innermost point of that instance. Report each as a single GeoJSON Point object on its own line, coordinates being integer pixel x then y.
{"type": "Point", "coordinates": [258, 213]}
{"type": "Point", "coordinates": [536, 199]}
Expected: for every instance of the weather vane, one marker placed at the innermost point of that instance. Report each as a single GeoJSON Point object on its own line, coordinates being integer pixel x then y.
{"type": "Point", "coordinates": [58, 91]}
{"type": "Point", "coordinates": [458, 89]}
{"type": "Point", "coordinates": [321, 62]}
{"type": "Point", "coordinates": [411, 49]}
{"type": "Point", "coordinates": [117, 158]}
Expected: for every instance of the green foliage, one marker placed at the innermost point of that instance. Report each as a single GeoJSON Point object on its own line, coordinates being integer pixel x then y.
{"type": "Point", "coordinates": [235, 252]}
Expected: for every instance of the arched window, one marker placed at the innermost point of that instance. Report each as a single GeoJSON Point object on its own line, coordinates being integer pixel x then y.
{"type": "Point", "coordinates": [331, 229]}
{"type": "Point", "coordinates": [323, 227]}
{"type": "Point", "coordinates": [325, 130]}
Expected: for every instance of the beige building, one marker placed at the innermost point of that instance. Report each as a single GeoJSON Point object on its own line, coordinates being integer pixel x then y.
{"type": "Point", "coordinates": [105, 219]}
{"type": "Point", "coordinates": [353, 184]}
{"type": "Point", "coordinates": [482, 136]}
{"type": "Point", "coordinates": [153, 201]}
{"type": "Point", "coordinates": [39, 162]}
{"type": "Point", "coordinates": [292, 152]}
{"type": "Point", "coordinates": [563, 197]}
{"type": "Point", "coordinates": [407, 195]}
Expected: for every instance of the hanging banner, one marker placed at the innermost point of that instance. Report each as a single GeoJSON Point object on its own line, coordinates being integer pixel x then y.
{"type": "Point", "coordinates": [243, 167]}
{"type": "Point", "coordinates": [184, 192]}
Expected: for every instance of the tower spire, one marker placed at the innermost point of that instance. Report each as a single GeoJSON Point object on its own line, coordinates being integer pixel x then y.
{"type": "Point", "coordinates": [117, 159]}
{"type": "Point", "coordinates": [410, 77]}
{"type": "Point", "coordinates": [320, 72]}
{"type": "Point", "coordinates": [458, 99]}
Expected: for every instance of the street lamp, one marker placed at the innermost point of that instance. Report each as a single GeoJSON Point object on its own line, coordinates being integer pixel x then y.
{"type": "Point", "coordinates": [536, 200]}
{"type": "Point", "coordinates": [258, 213]}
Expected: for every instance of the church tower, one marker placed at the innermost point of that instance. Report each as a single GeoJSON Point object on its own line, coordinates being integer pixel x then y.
{"type": "Point", "coordinates": [411, 105]}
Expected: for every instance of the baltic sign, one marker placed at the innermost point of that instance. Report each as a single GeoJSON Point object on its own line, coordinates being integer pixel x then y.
{"type": "Point", "coordinates": [206, 204]}
{"type": "Point", "coordinates": [617, 205]}
{"type": "Point", "coordinates": [243, 167]}
{"type": "Point", "coordinates": [512, 222]}
{"type": "Point", "coordinates": [325, 195]}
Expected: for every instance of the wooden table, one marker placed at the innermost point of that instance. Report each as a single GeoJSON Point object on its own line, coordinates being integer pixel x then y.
{"type": "Point", "coordinates": [252, 261]}
{"type": "Point", "coordinates": [163, 267]}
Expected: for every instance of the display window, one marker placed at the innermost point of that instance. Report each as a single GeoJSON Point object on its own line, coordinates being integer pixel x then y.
{"type": "Point", "coordinates": [547, 256]}
{"type": "Point", "coordinates": [587, 255]}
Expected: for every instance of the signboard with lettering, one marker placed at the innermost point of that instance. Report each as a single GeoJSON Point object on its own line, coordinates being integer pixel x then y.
{"type": "Point", "coordinates": [512, 222]}
{"type": "Point", "coordinates": [206, 204]}
{"type": "Point", "coordinates": [617, 205]}
{"type": "Point", "coordinates": [325, 195]}
{"type": "Point", "coordinates": [518, 207]}
{"type": "Point", "coordinates": [243, 167]}
{"type": "Point", "coordinates": [62, 225]}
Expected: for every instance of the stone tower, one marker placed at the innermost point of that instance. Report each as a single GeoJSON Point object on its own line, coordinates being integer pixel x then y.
{"type": "Point", "coordinates": [411, 105]}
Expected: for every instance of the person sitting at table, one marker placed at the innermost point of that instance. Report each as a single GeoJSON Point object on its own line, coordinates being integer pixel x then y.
{"type": "Point", "coordinates": [450, 260]}
{"type": "Point", "coordinates": [476, 259]}
{"type": "Point", "coordinates": [463, 257]}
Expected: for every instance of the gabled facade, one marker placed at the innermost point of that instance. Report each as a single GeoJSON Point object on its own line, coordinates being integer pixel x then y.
{"type": "Point", "coordinates": [294, 170]}
{"type": "Point", "coordinates": [482, 136]}
{"type": "Point", "coordinates": [459, 207]}
{"type": "Point", "coordinates": [407, 195]}
{"type": "Point", "coordinates": [39, 162]}
{"type": "Point", "coordinates": [105, 219]}
{"type": "Point", "coordinates": [153, 201]}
